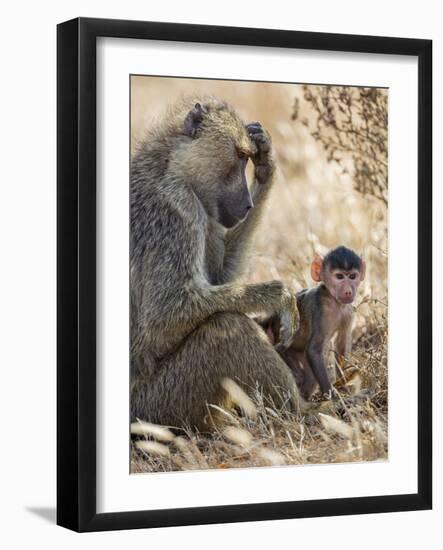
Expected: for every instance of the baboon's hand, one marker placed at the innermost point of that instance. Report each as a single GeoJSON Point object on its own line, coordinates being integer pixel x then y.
{"type": "Point", "coordinates": [287, 322]}
{"type": "Point", "coordinates": [279, 302]}
{"type": "Point", "coordinates": [262, 159]}
{"type": "Point", "coordinates": [286, 331]}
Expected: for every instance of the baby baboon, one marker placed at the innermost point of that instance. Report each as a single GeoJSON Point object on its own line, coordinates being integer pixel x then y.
{"type": "Point", "coordinates": [192, 220]}
{"type": "Point", "coordinates": [324, 311]}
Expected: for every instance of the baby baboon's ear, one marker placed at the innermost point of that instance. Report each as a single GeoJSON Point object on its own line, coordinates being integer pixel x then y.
{"type": "Point", "coordinates": [316, 268]}
{"type": "Point", "coordinates": [193, 120]}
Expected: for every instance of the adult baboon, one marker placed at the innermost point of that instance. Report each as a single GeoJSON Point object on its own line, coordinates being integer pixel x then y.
{"type": "Point", "coordinates": [192, 220]}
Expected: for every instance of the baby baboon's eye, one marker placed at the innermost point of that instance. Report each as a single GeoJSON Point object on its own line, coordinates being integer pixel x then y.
{"type": "Point", "coordinates": [339, 276]}
{"type": "Point", "coordinates": [352, 276]}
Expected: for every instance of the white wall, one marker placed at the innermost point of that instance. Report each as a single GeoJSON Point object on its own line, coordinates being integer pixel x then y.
{"type": "Point", "coordinates": [27, 230]}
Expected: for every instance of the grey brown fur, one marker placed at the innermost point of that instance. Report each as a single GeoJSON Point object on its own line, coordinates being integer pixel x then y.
{"type": "Point", "coordinates": [189, 244]}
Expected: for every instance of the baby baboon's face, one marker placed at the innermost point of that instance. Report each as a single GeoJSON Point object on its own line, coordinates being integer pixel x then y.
{"type": "Point", "coordinates": [214, 161]}
{"type": "Point", "coordinates": [342, 270]}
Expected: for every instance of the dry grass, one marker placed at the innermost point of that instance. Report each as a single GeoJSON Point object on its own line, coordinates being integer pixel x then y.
{"type": "Point", "coordinates": [313, 208]}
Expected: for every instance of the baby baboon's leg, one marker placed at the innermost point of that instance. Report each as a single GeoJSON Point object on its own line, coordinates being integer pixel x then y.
{"type": "Point", "coordinates": [226, 345]}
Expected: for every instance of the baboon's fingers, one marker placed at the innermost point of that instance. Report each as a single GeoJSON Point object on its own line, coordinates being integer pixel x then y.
{"type": "Point", "coordinates": [254, 128]}
{"type": "Point", "coordinates": [262, 158]}
{"type": "Point", "coordinates": [286, 330]}
{"type": "Point", "coordinates": [259, 135]}
{"type": "Point", "coordinates": [263, 143]}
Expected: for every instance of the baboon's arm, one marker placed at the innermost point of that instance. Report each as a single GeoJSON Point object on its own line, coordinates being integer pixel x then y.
{"type": "Point", "coordinates": [238, 240]}
{"type": "Point", "coordinates": [269, 298]}
{"type": "Point", "coordinates": [201, 303]}
{"type": "Point", "coordinates": [181, 313]}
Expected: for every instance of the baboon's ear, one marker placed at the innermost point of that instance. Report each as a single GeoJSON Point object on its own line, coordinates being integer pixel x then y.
{"type": "Point", "coordinates": [316, 268]}
{"type": "Point", "coordinates": [193, 120]}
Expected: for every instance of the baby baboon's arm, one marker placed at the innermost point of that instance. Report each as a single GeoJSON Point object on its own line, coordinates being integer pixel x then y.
{"type": "Point", "coordinates": [343, 342]}
{"type": "Point", "coordinates": [315, 352]}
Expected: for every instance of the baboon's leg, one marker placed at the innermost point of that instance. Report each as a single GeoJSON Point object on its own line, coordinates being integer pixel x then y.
{"type": "Point", "coordinates": [226, 345]}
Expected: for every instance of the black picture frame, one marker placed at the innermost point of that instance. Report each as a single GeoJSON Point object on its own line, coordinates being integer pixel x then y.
{"type": "Point", "coordinates": [76, 268]}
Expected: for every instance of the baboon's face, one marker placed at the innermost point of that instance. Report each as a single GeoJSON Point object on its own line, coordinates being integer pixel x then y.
{"type": "Point", "coordinates": [233, 198]}
{"type": "Point", "coordinates": [214, 161]}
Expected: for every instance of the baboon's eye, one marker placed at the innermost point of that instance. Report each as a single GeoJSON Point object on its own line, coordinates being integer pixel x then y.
{"type": "Point", "coordinates": [242, 155]}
